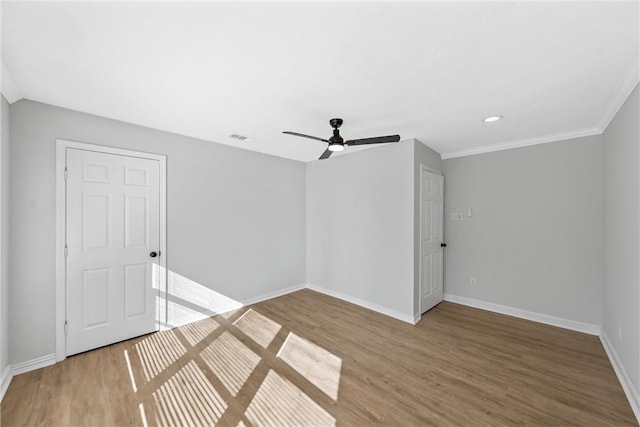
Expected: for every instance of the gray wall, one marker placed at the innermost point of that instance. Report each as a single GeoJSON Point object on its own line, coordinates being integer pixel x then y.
{"type": "Point", "coordinates": [423, 155]}
{"type": "Point", "coordinates": [535, 240]}
{"type": "Point", "coordinates": [622, 241]}
{"type": "Point", "coordinates": [360, 226]}
{"type": "Point", "coordinates": [236, 218]}
{"type": "Point", "coordinates": [4, 236]}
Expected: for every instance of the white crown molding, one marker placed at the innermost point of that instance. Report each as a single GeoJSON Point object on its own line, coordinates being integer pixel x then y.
{"type": "Point", "coordinates": [621, 93]}
{"type": "Point", "coordinates": [561, 136]}
{"type": "Point", "coordinates": [10, 89]}
{"type": "Point", "coordinates": [629, 80]}
{"type": "Point", "coordinates": [560, 322]}
{"type": "Point", "coordinates": [625, 380]}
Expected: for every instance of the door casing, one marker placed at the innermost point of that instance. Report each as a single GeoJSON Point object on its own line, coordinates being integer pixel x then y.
{"type": "Point", "coordinates": [61, 301]}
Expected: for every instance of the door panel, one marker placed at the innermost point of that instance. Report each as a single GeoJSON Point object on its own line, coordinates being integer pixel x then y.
{"type": "Point", "coordinates": [96, 172]}
{"type": "Point", "coordinates": [95, 297]}
{"type": "Point", "coordinates": [431, 235]}
{"type": "Point", "coordinates": [136, 278]}
{"type": "Point", "coordinates": [113, 223]}
{"type": "Point", "coordinates": [136, 221]}
{"type": "Point", "coordinates": [136, 176]}
{"type": "Point", "coordinates": [96, 221]}
{"type": "Point", "coordinates": [427, 262]}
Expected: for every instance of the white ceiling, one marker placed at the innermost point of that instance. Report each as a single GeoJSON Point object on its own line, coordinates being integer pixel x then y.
{"type": "Point", "coordinates": [426, 70]}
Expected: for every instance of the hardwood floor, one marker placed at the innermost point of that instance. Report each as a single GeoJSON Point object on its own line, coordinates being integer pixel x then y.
{"type": "Point", "coordinates": [309, 359]}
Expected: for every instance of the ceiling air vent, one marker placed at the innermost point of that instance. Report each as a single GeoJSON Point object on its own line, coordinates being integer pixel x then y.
{"type": "Point", "coordinates": [239, 137]}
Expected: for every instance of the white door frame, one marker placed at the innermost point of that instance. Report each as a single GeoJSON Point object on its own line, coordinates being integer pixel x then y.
{"type": "Point", "coordinates": [61, 197]}
{"type": "Point", "coordinates": [435, 172]}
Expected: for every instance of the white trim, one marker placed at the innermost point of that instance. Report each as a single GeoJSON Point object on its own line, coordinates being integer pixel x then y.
{"type": "Point", "coordinates": [560, 322]}
{"type": "Point", "coordinates": [431, 170]}
{"type": "Point", "coordinates": [274, 294]}
{"type": "Point", "coordinates": [5, 380]}
{"type": "Point", "coordinates": [60, 261]}
{"type": "Point", "coordinates": [229, 305]}
{"type": "Point", "coordinates": [61, 148]}
{"type": "Point", "coordinates": [33, 364]}
{"type": "Point", "coordinates": [10, 89]}
{"type": "Point", "coordinates": [362, 303]}
{"type": "Point", "coordinates": [622, 91]}
{"type": "Point", "coordinates": [615, 101]}
{"type": "Point", "coordinates": [561, 136]}
{"type": "Point", "coordinates": [627, 385]}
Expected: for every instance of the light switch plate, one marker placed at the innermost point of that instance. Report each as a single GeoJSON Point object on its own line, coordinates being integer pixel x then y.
{"type": "Point", "coordinates": [456, 216]}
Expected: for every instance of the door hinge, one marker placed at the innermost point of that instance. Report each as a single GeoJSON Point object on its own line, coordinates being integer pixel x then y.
{"type": "Point", "coordinates": [66, 251]}
{"type": "Point", "coordinates": [66, 173]}
{"type": "Point", "coordinates": [66, 327]}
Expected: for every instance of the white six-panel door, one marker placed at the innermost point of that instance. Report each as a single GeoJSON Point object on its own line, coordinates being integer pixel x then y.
{"type": "Point", "coordinates": [431, 238]}
{"type": "Point", "coordinates": [112, 226]}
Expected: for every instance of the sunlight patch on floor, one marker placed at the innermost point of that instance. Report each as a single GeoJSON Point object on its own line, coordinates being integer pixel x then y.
{"type": "Point", "coordinates": [131, 376]}
{"type": "Point", "coordinates": [196, 332]}
{"type": "Point", "coordinates": [258, 327]}
{"type": "Point", "coordinates": [143, 415]}
{"type": "Point", "coordinates": [189, 301]}
{"type": "Point", "coordinates": [188, 399]}
{"type": "Point", "coordinates": [230, 360]}
{"type": "Point", "coordinates": [280, 403]}
{"type": "Point", "coordinates": [158, 351]}
{"type": "Point", "coordinates": [319, 366]}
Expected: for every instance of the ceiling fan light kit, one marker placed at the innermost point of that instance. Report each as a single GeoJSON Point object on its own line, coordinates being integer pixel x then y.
{"type": "Point", "coordinates": [337, 143]}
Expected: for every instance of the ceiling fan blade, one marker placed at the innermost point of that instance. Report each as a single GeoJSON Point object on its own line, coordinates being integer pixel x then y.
{"type": "Point", "coordinates": [326, 154]}
{"type": "Point", "coordinates": [305, 136]}
{"type": "Point", "coordinates": [375, 140]}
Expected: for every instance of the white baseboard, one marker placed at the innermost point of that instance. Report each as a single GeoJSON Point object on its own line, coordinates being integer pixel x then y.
{"type": "Point", "coordinates": [362, 303]}
{"type": "Point", "coordinates": [5, 381]}
{"type": "Point", "coordinates": [560, 322]}
{"type": "Point", "coordinates": [220, 306]}
{"type": "Point", "coordinates": [33, 364]}
{"type": "Point", "coordinates": [625, 380]}
{"type": "Point", "coordinates": [20, 368]}
{"type": "Point", "coordinates": [274, 294]}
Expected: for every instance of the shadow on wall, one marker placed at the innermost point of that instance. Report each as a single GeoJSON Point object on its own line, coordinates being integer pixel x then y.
{"type": "Point", "coordinates": [238, 368]}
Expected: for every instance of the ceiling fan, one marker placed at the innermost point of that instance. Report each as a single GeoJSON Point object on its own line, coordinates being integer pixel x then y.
{"type": "Point", "coordinates": [336, 143]}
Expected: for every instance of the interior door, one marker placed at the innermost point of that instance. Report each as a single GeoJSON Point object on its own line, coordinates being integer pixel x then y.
{"type": "Point", "coordinates": [112, 237]}
{"type": "Point", "coordinates": [431, 225]}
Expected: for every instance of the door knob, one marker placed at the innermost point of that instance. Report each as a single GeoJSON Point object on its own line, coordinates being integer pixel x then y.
{"type": "Point", "coordinates": [153, 254]}
{"type": "Point", "coordinates": [443, 245]}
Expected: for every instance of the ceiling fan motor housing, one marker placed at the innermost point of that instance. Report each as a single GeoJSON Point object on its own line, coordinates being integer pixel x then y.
{"type": "Point", "coordinates": [336, 138]}
{"type": "Point", "coordinates": [335, 123]}
{"type": "Point", "coordinates": [336, 143]}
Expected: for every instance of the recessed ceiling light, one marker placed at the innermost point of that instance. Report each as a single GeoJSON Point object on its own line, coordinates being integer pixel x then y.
{"type": "Point", "coordinates": [492, 119]}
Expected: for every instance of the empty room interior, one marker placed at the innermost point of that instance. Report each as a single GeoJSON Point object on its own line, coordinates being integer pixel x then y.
{"type": "Point", "coordinates": [320, 213]}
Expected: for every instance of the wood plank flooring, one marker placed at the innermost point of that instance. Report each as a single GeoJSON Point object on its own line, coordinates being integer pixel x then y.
{"type": "Point", "coordinates": [309, 359]}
